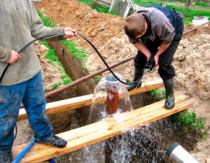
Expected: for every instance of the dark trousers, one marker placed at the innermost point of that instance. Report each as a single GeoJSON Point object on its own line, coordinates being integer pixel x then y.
{"type": "Point", "coordinates": [166, 69]}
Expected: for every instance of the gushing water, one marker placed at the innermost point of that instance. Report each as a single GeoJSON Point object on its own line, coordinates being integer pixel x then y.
{"type": "Point", "coordinates": [111, 98]}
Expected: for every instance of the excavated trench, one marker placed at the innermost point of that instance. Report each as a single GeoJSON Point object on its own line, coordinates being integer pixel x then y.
{"type": "Point", "coordinates": [152, 138]}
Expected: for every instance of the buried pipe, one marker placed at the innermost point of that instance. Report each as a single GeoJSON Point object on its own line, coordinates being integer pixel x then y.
{"type": "Point", "coordinates": [178, 154]}
{"type": "Point", "coordinates": [84, 78]}
{"type": "Point", "coordinates": [112, 100]}
{"type": "Point", "coordinates": [191, 30]}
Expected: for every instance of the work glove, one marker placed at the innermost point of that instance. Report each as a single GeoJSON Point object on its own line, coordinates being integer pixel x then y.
{"type": "Point", "coordinates": [149, 64]}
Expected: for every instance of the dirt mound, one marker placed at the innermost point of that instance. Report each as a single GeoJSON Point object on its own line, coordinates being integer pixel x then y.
{"type": "Point", "coordinates": [97, 26]}
{"type": "Point", "coordinates": [192, 62]}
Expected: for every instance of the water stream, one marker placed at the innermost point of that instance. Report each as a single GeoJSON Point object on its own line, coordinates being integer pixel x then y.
{"type": "Point", "coordinates": [111, 98]}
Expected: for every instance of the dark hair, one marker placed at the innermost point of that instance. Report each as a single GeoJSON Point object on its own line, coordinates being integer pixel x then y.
{"type": "Point", "coordinates": [134, 25]}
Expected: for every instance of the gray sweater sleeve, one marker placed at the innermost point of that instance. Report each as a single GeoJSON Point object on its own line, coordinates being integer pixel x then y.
{"type": "Point", "coordinates": [37, 27]}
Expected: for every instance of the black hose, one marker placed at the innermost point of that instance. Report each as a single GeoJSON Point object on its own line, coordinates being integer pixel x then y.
{"type": "Point", "coordinates": [100, 55]}
{"type": "Point", "coordinates": [52, 36]}
{"type": "Point", "coordinates": [24, 47]}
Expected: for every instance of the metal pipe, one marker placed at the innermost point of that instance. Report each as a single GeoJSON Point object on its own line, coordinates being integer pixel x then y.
{"type": "Point", "coordinates": [178, 154]}
{"type": "Point", "coordinates": [191, 30]}
{"type": "Point", "coordinates": [84, 78]}
{"type": "Point", "coordinates": [112, 101]}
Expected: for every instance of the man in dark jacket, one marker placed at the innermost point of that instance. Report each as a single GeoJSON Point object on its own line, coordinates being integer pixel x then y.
{"type": "Point", "coordinates": [156, 32]}
{"type": "Point", "coordinates": [22, 82]}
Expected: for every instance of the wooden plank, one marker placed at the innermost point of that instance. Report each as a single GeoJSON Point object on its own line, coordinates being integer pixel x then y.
{"type": "Point", "coordinates": [107, 128]}
{"type": "Point", "coordinates": [82, 101]}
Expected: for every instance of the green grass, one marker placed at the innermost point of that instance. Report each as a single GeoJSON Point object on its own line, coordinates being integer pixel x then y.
{"type": "Point", "coordinates": [190, 14]}
{"type": "Point", "coordinates": [190, 122]}
{"type": "Point", "coordinates": [187, 16]}
{"type": "Point", "coordinates": [201, 4]}
{"type": "Point", "coordinates": [52, 59]}
{"type": "Point", "coordinates": [148, 2]}
{"type": "Point", "coordinates": [98, 8]}
{"type": "Point", "coordinates": [87, 2]}
{"type": "Point", "coordinates": [158, 93]}
{"type": "Point", "coordinates": [46, 21]}
{"type": "Point", "coordinates": [79, 54]}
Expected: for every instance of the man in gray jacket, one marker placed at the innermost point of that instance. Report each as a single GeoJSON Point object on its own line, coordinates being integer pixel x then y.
{"type": "Point", "coordinates": [22, 82]}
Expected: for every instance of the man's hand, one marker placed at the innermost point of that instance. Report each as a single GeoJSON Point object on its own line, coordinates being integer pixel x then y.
{"type": "Point", "coordinates": [149, 64]}
{"type": "Point", "coordinates": [14, 57]}
{"type": "Point", "coordinates": [156, 58]}
{"type": "Point", "coordinates": [69, 32]}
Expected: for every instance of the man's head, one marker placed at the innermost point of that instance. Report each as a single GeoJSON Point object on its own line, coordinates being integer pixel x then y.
{"type": "Point", "coordinates": [135, 26]}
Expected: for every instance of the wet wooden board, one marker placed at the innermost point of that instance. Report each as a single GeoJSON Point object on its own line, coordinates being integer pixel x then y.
{"type": "Point", "coordinates": [105, 129]}
{"type": "Point", "coordinates": [82, 101]}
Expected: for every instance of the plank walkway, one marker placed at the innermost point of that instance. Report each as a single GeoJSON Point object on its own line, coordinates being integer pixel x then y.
{"type": "Point", "coordinates": [105, 129]}
{"type": "Point", "coordinates": [82, 101]}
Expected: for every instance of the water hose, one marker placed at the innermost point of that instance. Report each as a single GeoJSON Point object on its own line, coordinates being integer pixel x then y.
{"type": "Point", "coordinates": [103, 60]}
{"type": "Point", "coordinates": [24, 151]}
{"type": "Point", "coordinates": [24, 47]}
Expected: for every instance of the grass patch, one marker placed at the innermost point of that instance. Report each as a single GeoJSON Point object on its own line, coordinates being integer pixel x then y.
{"type": "Point", "coordinates": [98, 8]}
{"type": "Point", "coordinates": [189, 122]}
{"type": "Point", "coordinates": [158, 93]}
{"type": "Point", "coordinates": [201, 4]}
{"type": "Point", "coordinates": [52, 59]}
{"type": "Point", "coordinates": [148, 2]}
{"type": "Point", "coordinates": [190, 14]}
{"type": "Point", "coordinates": [97, 78]}
{"type": "Point", "coordinates": [87, 2]}
{"type": "Point", "coordinates": [46, 21]}
{"type": "Point", "coordinates": [79, 54]}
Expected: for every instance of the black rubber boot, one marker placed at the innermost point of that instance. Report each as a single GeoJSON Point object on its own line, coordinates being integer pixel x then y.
{"type": "Point", "coordinates": [5, 156]}
{"type": "Point", "coordinates": [169, 86]}
{"type": "Point", "coordinates": [53, 140]}
{"type": "Point", "coordinates": [135, 84]}
{"type": "Point", "coordinates": [137, 79]}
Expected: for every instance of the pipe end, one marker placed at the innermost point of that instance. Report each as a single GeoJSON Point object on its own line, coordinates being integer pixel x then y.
{"type": "Point", "coordinates": [170, 149]}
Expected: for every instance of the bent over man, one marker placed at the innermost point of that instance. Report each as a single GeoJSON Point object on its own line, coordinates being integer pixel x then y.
{"type": "Point", "coordinates": [156, 32]}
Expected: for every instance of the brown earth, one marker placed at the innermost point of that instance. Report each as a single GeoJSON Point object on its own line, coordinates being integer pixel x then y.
{"type": "Point", "coordinates": [192, 60]}
{"type": "Point", "coordinates": [50, 72]}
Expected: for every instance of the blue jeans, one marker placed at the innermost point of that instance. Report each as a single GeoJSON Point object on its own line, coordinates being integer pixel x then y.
{"type": "Point", "coordinates": [31, 94]}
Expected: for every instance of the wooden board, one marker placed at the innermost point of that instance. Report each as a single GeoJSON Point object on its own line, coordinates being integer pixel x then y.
{"type": "Point", "coordinates": [82, 101]}
{"type": "Point", "coordinates": [102, 130]}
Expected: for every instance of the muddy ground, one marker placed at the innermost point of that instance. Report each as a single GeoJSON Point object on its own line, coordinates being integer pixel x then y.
{"type": "Point", "coordinates": [192, 60]}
